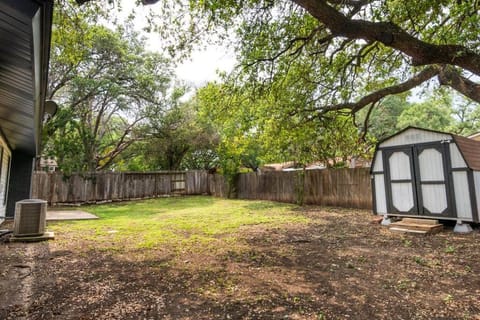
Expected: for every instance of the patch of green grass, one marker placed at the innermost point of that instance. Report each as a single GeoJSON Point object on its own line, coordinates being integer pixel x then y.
{"type": "Point", "coordinates": [404, 284]}
{"type": "Point", "coordinates": [450, 249]}
{"type": "Point", "coordinates": [178, 221]}
{"type": "Point", "coordinates": [421, 261]}
{"type": "Point", "coordinates": [447, 299]}
{"type": "Point", "coordinates": [407, 243]}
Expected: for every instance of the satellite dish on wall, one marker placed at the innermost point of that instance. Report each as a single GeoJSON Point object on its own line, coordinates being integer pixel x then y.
{"type": "Point", "coordinates": [50, 109]}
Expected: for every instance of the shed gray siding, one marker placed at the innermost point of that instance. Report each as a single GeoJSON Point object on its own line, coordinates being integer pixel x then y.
{"type": "Point", "coordinates": [462, 195]}
{"type": "Point", "coordinates": [456, 157]}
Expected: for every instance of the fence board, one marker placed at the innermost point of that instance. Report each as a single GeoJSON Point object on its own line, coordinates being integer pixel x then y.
{"type": "Point", "coordinates": [217, 186]}
{"type": "Point", "coordinates": [196, 182]}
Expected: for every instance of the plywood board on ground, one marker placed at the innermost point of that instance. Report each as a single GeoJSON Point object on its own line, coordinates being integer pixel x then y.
{"type": "Point", "coordinates": [419, 221]}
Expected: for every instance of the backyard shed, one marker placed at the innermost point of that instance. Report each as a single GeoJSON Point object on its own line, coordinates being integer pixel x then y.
{"type": "Point", "coordinates": [427, 174]}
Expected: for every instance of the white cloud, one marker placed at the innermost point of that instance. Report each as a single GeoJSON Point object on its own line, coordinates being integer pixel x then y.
{"type": "Point", "coordinates": [204, 65]}
{"type": "Point", "coordinates": [201, 67]}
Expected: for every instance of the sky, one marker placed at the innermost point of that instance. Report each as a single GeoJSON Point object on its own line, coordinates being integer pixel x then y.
{"type": "Point", "coordinates": [203, 64]}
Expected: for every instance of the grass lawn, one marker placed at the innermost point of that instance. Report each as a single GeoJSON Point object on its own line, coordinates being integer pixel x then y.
{"type": "Point", "coordinates": [175, 223]}
{"type": "Point", "coordinates": [210, 258]}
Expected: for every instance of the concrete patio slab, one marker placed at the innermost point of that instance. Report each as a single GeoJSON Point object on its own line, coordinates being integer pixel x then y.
{"type": "Point", "coordinates": [59, 215]}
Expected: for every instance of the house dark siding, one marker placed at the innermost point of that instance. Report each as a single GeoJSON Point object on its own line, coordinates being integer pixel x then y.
{"type": "Point", "coordinates": [19, 188]}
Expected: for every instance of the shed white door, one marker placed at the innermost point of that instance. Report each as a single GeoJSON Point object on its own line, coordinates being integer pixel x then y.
{"type": "Point", "coordinates": [401, 181]}
{"type": "Point", "coordinates": [418, 181]}
{"type": "Point", "coordinates": [432, 184]}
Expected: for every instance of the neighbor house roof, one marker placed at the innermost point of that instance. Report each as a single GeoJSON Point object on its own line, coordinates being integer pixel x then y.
{"type": "Point", "coordinates": [475, 136]}
{"type": "Point", "coordinates": [25, 28]}
{"type": "Point", "coordinates": [279, 166]}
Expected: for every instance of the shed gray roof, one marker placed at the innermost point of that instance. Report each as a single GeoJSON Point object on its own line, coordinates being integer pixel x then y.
{"type": "Point", "coordinates": [25, 27]}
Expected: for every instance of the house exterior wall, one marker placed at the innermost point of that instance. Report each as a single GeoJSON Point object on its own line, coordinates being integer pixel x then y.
{"type": "Point", "coordinates": [21, 170]}
{"type": "Point", "coordinates": [25, 34]}
{"type": "Point", "coordinates": [5, 155]}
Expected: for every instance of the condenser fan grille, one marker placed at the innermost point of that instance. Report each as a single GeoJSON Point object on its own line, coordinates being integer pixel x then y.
{"type": "Point", "coordinates": [30, 217]}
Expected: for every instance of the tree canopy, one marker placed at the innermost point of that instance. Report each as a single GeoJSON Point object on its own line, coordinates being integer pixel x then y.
{"type": "Point", "coordinates": [106, 84]}
{"type": "Point", "coordinates": [357, 51]}
{"type": "Point", "coordinates": [307, 67]}
{"type": "Point", "coordinates": [174, 139]}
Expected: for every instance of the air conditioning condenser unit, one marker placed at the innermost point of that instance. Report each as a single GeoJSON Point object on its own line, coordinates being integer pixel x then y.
{"type": "Point", "coordinates": [30, 218]}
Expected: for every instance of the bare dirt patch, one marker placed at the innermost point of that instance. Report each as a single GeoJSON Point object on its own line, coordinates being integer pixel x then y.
{"type": "Point", "coordinates": [339, 266]}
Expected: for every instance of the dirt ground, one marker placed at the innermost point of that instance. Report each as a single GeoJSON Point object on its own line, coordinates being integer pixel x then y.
{"type": "Point", "coordinates": [341, 266]}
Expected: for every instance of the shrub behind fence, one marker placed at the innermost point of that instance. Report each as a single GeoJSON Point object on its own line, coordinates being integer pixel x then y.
{"type": "Point", "coordinates": [336, 187]}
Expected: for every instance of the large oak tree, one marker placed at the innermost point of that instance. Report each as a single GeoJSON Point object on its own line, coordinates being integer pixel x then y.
{"type": "Point", "coordinates": [106, 85]}
{"type": "Point", "coordinates": [408, 42]}
{"type": "Point", "coordinates": [312, 60]}
{"type": "Point", "coordinates": [360, 50]}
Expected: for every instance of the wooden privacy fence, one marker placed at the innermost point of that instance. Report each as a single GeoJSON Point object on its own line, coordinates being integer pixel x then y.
{"type": "Point", "coordinates": [336, 187]}
{"type": "Point", "coordinates": [116, 186]}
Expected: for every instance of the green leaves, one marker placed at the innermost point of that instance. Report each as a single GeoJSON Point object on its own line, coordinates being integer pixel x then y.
{"type": "Point", "coordinates": [174, 139]}
{"type": "Point", "coordinates": [105, 82]}
{"type": "Point", "coordinates": [431, 114]}
{"type": "Point", "coordinates": [277, 123]}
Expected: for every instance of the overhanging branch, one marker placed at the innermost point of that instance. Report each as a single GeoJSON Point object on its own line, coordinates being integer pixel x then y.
{"type": "Point", "coordinates": [376, 96]}
{"type": "Point", "coordinates": [450, 77]}
{"type": "Point", "coordinates": [421, 53]}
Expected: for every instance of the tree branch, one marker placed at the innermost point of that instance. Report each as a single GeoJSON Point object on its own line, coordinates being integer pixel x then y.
{"type": "Point", "coordinates": [290, 45]}
{"type": "Point", "coordinates": [421, 53]}
{"type": "Point", "coordinates": [450, 77]}
{"type": "Point", "coordinates": [373, 97]}
{"type": "Point", "coordinates": [367, 119]}
{"type": "Point", "coordinates": [120, 146]}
